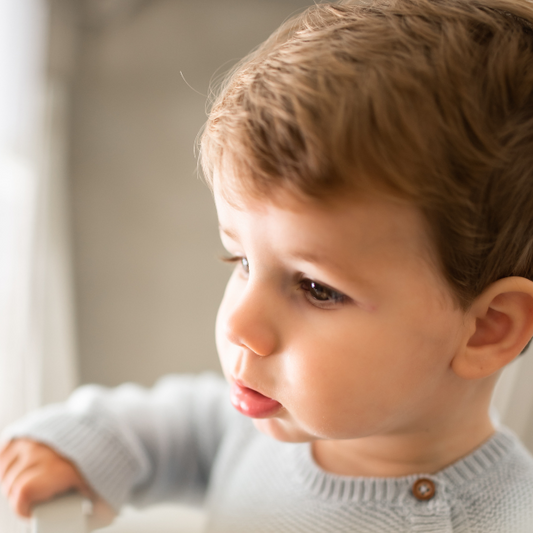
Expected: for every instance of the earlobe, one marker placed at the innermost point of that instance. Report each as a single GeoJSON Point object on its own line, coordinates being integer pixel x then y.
{"type": "Point", "coordinates": [499, 325]}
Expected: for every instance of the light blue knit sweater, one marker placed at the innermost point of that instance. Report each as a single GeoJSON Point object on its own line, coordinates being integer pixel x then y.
{"type": "Point", "coordinates": [182, 440]}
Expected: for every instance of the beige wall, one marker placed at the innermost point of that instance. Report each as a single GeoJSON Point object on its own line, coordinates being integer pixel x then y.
{"type": "Point", "coordinates": [145, 242]}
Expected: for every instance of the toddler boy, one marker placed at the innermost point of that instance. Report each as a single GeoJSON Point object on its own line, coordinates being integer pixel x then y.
{"type": "Point", "coordinates": [372, 169]}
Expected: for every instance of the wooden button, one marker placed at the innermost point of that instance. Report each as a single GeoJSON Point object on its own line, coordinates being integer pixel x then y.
{"type": "Point", "coordinates": [423, 489]}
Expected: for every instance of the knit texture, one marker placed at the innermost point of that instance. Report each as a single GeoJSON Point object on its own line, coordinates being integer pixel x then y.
{"type": "Point", "coordinates": [182, 440]}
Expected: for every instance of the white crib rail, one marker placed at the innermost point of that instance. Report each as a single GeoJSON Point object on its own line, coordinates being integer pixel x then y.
{"type": "Point", "coordinates": [70, 513]}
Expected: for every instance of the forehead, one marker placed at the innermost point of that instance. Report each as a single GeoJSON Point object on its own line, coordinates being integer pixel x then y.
{"type": "Point", "coordinates": [341, 228]}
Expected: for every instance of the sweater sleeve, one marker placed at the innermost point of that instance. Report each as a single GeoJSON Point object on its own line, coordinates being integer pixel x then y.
{"type": "Point", "coordinates": [135, 444]}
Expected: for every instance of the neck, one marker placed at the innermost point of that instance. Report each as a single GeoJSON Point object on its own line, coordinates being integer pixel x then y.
{"type": "Point", "coordinates": [423, 448]}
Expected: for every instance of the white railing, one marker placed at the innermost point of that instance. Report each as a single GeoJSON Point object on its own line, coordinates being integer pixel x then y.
{"type": "Point", "coordinates": [71, 513]}
{"type": "Point", "coordinates": [74, 514]}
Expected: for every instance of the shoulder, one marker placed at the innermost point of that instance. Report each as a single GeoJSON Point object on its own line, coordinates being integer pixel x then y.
{"type": "Point", "coordinates": [495, 493]}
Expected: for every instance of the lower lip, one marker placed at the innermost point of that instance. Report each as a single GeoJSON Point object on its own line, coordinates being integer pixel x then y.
{"type": "Point", "coordinates": [252, 403]}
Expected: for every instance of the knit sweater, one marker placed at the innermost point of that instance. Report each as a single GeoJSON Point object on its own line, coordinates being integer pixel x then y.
{"type": "Point", "coordinates": [182, 441]}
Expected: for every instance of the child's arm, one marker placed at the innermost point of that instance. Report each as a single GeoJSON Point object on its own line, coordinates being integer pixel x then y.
{"type": "Point", "coordinates": [135, 444]}
{"type": "Point", "coordinates": [31, 472]}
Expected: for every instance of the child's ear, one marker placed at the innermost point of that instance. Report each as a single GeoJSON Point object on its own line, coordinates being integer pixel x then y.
{"type": "Point", "coordinates": [500, 324]}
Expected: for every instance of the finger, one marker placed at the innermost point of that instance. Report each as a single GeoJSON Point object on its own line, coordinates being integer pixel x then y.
{"type": "Point", "coordinates": [23, 453]}
{"type": "Point", "coordinates": [21, 462]}
{"type": "Point", "coordinates": [5, 445]}
{"type": "Point", "coordinates": [27, 490]}
{"type": "Point", "coordinates": [15, 470]}
{"type": "Point", "coordinates": [35, 485]}
{"type": "Point", "coordinates": [23, 470]}
{"type": "Point", "coordinates": [19, 449]}
{"type": "Point", "coordinates": [7, 457]}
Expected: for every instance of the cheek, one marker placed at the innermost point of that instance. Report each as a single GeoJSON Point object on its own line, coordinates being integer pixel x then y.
{"type": "Point", "coordinates": [327, 387]}
{"type": "Point", "coordinates": [348, 385]}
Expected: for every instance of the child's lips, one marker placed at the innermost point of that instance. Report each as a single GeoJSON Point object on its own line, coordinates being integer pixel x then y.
{"type": "Point", "coordinates": [252, 403]}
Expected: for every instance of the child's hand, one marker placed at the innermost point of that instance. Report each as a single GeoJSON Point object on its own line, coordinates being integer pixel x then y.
{"type": "Point", "coordinates": [31, 472]}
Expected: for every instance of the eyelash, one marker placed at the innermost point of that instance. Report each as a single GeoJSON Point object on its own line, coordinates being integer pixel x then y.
{"type": "Point", "coordinates": [333, 297]}
{"type": "Point", "coordinates": [307, 285]}
{"type": "Point", "coordinates": [237, 259]}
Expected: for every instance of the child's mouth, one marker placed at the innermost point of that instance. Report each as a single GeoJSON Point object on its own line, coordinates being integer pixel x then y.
{"type": "Point", "coordinates": [252, 403]}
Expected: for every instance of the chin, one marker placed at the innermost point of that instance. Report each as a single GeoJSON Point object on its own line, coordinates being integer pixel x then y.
{"type": "Point", "coordinates": [282, 430]}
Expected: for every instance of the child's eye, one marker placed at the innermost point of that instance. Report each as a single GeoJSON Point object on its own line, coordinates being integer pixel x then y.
{"type": "Point", "coordinates": [238, 259]}
{"type": "Point", "coordinates": [321, 295]}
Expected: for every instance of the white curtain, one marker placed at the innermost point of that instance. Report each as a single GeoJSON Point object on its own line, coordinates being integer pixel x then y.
{"type": "Point", "coordinates": [37, 359]}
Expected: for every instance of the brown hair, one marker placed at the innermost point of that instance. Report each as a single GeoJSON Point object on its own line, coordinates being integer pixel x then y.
{"type": "Point", "coordinates": [431, 100]}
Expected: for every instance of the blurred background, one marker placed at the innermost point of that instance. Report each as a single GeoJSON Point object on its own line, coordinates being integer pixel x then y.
{"type": "Point", "coordinates": [144, 234]}
{"type": "Point", "coordinates": [140, 230]}
{"type": "Point", "coordinates": [108, 239]}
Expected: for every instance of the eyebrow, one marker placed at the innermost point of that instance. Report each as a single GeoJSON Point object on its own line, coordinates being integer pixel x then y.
{"type": "Point", "coordinates": [230, 233]}
{"type": "Point", "coordinates": [312, 258]}
{"type": "Point", "coordinates": [308, 257]}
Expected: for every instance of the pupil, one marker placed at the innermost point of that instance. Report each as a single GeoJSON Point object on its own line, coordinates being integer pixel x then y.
{"type": "Point", "coordinates": [318, 292]}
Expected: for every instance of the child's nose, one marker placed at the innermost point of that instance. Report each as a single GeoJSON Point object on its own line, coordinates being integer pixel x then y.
{"type": "Point", "coordinates": [252, 323]}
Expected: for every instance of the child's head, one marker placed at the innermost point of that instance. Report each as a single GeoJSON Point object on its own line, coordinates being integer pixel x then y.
{"type": "Point", "coordinates": [431, 101]}
{"type": "Point", "coordinates": [393, 141]}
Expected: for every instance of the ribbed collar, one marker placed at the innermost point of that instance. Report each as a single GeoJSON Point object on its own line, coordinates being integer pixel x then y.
{"type": "Point", "coordinates": [394, 490]}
